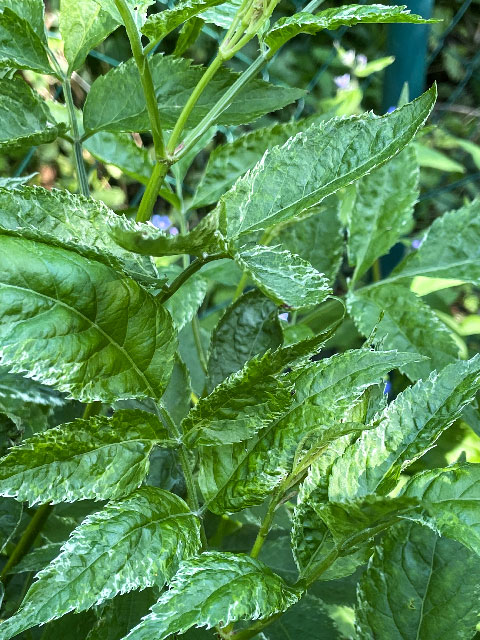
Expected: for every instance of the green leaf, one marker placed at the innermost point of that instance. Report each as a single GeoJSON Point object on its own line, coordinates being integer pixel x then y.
{"type": "Point", "coordinates": [405, 430]}
{"type": "Point", "coordinates": [142, 540]}
{"type": "Point", "coordinates": [455, 237]}
{"type": "Point", "coordinates": [382, 210]}
{"type": "Point", "coordinates": [121, 614]}
{"type": "Point", "coordinates": [310, 616]}
{"type": "Point", "coordinates": [434, 159]}
{"type": "Point", "coordinates": [10, 516]}
{"type": "Point", "coordinates": [236, 476]}
{"type": "Point", "coordinates": [174, 80]}
{"type": "Point", "coordinates": [72, 626]}
{"type": "Point", "coordinates": [15, 183]}
{"type": "Point", "coordinates": [25, 401]}
{"type": "Point", "coordinates": [100, 458]}
{"type": "Point", "coordinates": [137, 7]}
{"type": "Point", "coordinates": [223, 14]}
{"type": "Point", "coordinates": [317, 238]}
{"type": "Point", "coordinates": [185, 302]}
{"type": "Point", "coordinates": [33, 11]}
{"type": "Point", "coordinates": [290, 179]}
{"type": "Point", "coordinates": [120, 150]}
{"type": "Point", "coordinates": [161, 24]}
{"type": "Point", "coordinates": [20, 46]}
{"type": "Point", "coordinates": [228, 162]}
{"type": "Point", "coordinates": [401, 320]}
{"type": "Point", "coordinates": [146, 239]}
{"type": "Point", "coordinates": [243, 404]}
{"type": "Point", "coordinates": [249, 327]}
{"type": "Point", "coordinates": [216, 589]}
{"type": "Point", "coordinates": [451, 499]}
{"type": "Point", "coordinates": [331, 19]}
{"type": "Point", "coordinates": [37, 559]}
{"type": "Point", "coordinates": [83, 25]}
{"type": "Point", "coordinates": [80, 326]}
{"type": "Point", "coordinates": [419, 585]}
{"type": "Point", "coordinates": [284, 277]}
{"type": "Point", "coordinates": [74, 221]}
{"type": "Point", "coordinates": [25, 118]}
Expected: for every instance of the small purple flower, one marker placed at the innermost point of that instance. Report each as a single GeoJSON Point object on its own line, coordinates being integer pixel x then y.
{"type": "Point", "coordinates": [388, 388]}
{"type": "Point", "coordinates": [416, 243]}
{"type": "Point", "coordinates": [284, 317]}
{"type": "Point", "coordinates": [173, 231]}
{"type": "Point", "coordinates": [342, 82]}
{"type": "Point", "coordinates": [161, 222]}
{"type": "Point", "coordinates": [362, 60]}
{"type": "Point", "coordinates": [391, 109]}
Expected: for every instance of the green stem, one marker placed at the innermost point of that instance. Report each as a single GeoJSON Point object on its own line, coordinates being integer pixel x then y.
{"type": "Point", "coordinates": [151, 192]}
{"type": "Point", "coordinates": [198, 344]}
{"type": "Point", "coordinates": [240, 286]}
{"type": "Point", "coordinates": [376, 271]}
{"type": "Point", "coordinates": [27, 539]}
{"type": "Point", "coordinates": [266, 524]}
{"type": "Point", "coordinates": [223, 103]}
{"type": "Point", "coordinates": [192, 268]}
{"type": "Point", "coordinates": [191, 102]}
{"type": "Point", "coordinates": [142, 63]}
{"type": "Point", "coordinates": [185, 463]}
{"type": "Point", "coordinates": [77, 145]}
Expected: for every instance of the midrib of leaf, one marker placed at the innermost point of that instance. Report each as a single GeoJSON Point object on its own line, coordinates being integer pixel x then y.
{"type": "Point", "coordinates": [267, 430]}
{"type": "Point", "coordinates": [118, 542]}
{"type": "Point", "coordinates": [410, 273]}
{"type": "Point", "coordinates": [92, 323]}
{"type": "Point", "coordinates": [316, 552]}
{"type": "Point", "coordinates": [417, 637]}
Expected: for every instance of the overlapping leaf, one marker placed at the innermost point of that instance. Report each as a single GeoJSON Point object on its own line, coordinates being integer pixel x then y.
{"type": "Point", "coordinates": [216, 589]}
{"type": "Point", "coordinates": [452, 501]}
{"type": "Point", "coordinates": [22, 43]}
{"type": "Point", "coordinates": [145, 239]}
{"type": "Point", "coordinates": [100, 458]}
{"type": "Point", "coordinates": [25, 118]}
{"type": "Point", "coordinates": [289, 179]}
{"type": "Point", "coordinates": [79, 325]}
{"type": "Point", "coordinates": [287, 28]}
{"type": "Point", "coordinates": [83, 25]}
{"type": "Point", "coordinates": [236, 476]}
{"type": "Point", "coordinates": [419, 585]}
{"type": "Point", "coordinates": [249, 327]}
{"type": "Point", "coordinates": [161, 24]}
{"type": "Point", "coordinates": [133, 543]}
{"type": "Point", "coordinates": [382, 210]}
{"type": "Point", "coordinates": [174, 80]}
{"type": "Point", "coordinates": [401, 320]}
{"type": "Point", "coordinates": [74, 221]}
{"type": "Point", "coordinates": [406, 429]}
{"type": "Point", "coordinates": [285, 278]}
{"type": "Point", "coordinates": [450, 248]}
{"type": "Point", "coordinates": [243, 404]}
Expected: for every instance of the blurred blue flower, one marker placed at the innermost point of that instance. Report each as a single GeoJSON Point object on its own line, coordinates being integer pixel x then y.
{"type": "Point", "coordinates": [173, 231]}
{"type": "Point", "coordinates": [416, 243]}
{"type": "Point", "coordinates": [391, 109]}
{"type": "Point", "coordinates": [342, 82]}
{"type": "Point", "coordinates": [388, 388]}
{"type": "Point", "coordinates": [161, 222]}
{"type": "Point", "coordinates": [283, 316]}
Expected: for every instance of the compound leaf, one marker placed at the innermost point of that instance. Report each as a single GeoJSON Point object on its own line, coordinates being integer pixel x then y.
{"type": "Point", "coordinates": [405, 430]}
{"type": "Point", "coordinates": [174, 80]}
{"type": "Point", "coordinates": [284, 277]}
{"type": "Point", "coordinates": [331, 19]}
{"type": "Point", "coordinates": [77, 324]}
{"type": "Point", "coordinates": [216, 589]}
{"type": "Point", "coordinates": [239, 475]}
{"type": "Point", "coordinates": [100, 458]}
{"type": "Point", "coordinates": [290, 179]}
{"type": "Point", "coordinates": [133, 543]}
{"type": "Point", "coordinates": [401, 320]}
{"type": "Point", "coordinates": [25, 118]}
{"type": "Point", "coordinates": [419, 585]}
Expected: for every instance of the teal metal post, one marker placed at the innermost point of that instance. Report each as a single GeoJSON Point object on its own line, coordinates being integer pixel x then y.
{"type": "Point", "coordinates": [408, 43]}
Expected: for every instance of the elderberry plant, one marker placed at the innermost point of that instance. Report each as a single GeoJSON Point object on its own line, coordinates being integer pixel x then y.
{"type": "Point", "coordinates": [246, 481]}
